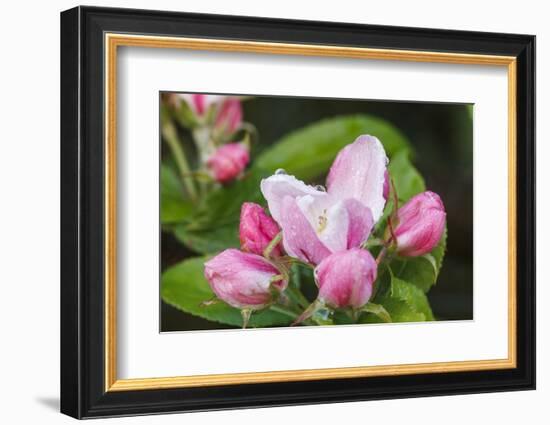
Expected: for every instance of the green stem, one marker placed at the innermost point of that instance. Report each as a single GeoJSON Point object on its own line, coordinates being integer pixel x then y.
{"type": "Point", "coordinates": [246, 313]}
{"type": "Point", "coordinates": [169, 133]}
{"type": "Point", "coordinates": [308, 312]}
{"type": "Point", "coordinates": [381, 255]}
{"type": "Point", "coordinates": [284, 310]}
{"type": "Point", "coordinates": [297, 296]}
{"type": "Point", "coordinates": [205, 147]}
{"type": "Point", "coordinates": [271, 246]}
{"type": "Point", "coordinates": [203, 142]}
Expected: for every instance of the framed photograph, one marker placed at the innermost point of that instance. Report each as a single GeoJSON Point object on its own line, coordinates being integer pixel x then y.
{"type": "Point", "coordinates": [261, 212]}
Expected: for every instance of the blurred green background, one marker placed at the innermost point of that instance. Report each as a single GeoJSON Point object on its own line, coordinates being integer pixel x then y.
{"type": "Point", "coordinates": [441, 135]}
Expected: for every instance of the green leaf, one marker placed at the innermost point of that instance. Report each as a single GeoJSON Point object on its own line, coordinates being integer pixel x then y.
{"type": "Point", "coordinates": [215, 224]}
{"type": "Point", "coordinates": [342, 317]}
{"type": "Point", "coordinates": [412, 296]}
{"type": "Point", "coordinates": [309, 152]}
{"type": "Point", "coordinates": [174, 208]}
{"type": "Point", "coordinates": [438, 253]}
{"type": "Point", "coordinates": [421, 271]}
{"type": "Point", "coordinates": [184, 287]}
{"type": "Point", "coordinates": [404, 302]}
{"type": "Point", "coordinates": [209, 239]}
{"type": "Point", "coordinates": [224, 203]}
{"type": "Point", "coordinates": [408, 181]}
{"type": "Point", "coordinates": [402, 312]}
{"type": "Point", "coordinates": [184, 115]}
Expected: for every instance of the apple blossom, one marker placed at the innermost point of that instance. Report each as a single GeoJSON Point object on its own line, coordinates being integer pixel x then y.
{"type": "Point", "coordinates": [316, 223]}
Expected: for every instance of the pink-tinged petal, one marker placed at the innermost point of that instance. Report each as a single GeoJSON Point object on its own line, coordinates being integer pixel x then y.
{"type": "Point", "coordinates": [421, 223]}
{"type": "Point", "coordinates": [242, 279]}
{"type": "Point", "coordinates": [200, 103]}
{"type": "Point", "coordinates": [386, 191]}
{"type": "Point", "coordinates": [299, 238]}
{"type": "Point", "coordinates": [230, 116]}
{"type": "Point", "coordinates": [346, 278]}
{"type": "Point", "coordinates": [257, 230]}
{"type": "Point", "coordinates": [359, 172]}
{"type": "Point", "coordinates": [360, 222]}
{"type": "Point", "coordinates": [278, 186]}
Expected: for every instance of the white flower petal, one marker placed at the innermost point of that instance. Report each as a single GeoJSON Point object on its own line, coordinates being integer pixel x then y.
{"type": "Point", "coordinates": [275, 188]}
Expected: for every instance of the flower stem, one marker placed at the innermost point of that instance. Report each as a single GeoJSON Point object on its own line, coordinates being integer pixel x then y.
{"type": "Point", "coordinates": [246, 313]}
{"type": "Point", "coordinates": [204, 143]}
{"type": "Point", "coordinates": [381, 256]}
{"type": "Point", "coordinates": [393, 216]}
{"type": "Point", "coordinates": [169, 133]}
{"type": "Point", "coordinates": [283, 310]}
{"type": "Point", "coordinates": [308, 312]}
{"type": "Point", "coordinates": [271, 246]}
{"type": "Point", "coordinates": [297, 296]}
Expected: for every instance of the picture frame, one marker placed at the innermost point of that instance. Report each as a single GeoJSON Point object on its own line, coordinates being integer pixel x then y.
{"type": "Point", "coordinates": [90, 41]}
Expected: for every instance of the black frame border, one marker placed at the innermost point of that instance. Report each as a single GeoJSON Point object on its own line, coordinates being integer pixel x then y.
{"type": "Point", "coordinates": [82, 212]}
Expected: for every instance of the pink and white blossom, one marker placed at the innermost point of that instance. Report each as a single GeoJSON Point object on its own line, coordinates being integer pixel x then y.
{"type": "Point", "coordinates": [421, 223]}
{"type": "Point", "coordinates": [345, 279]}
{"type": "Point", "coordinates": [228, 162]}
{"type": "Point", "coordinates": [316, 223]}
{"type": "Point", "coordinates": [243, 280]}
{"type": "Point", "coordinates": [257, 230]}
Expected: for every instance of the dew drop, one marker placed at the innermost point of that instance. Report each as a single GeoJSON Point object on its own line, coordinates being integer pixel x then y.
{"type": "Point", "coordinates": [280, 172]}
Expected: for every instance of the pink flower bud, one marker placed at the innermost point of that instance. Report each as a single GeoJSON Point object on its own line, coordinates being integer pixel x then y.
{"type": "Point", "coordinates": [345, 278]}
{"type": "Point", "coordinates": [257, 230]}
{"type": "Point", "coordinates": [200, 103]}
{"type": "Point", "coordinates": [229, 116]}
{"type": "Point", "coordinates": [243, 280]}
{"type": "Point", "coordinates": [421, 222]}
{"type": "Point", "coordinates": [228, 161]}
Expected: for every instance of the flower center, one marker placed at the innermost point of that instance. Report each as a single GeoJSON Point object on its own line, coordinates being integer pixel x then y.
{"type": "Point", "coordinates": [322, 222]}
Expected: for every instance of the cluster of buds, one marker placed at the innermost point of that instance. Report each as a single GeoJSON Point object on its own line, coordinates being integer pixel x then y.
{"type": "Point", "coordinates": [214, 120]}
{"type": "Point", "coordinates": [326, 229]}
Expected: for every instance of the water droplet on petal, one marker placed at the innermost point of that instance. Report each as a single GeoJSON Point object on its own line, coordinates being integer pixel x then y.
{"type": "Point", "coordinates": [320, 188]}
{"type": "Point", "coordinates": [280, 172]}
